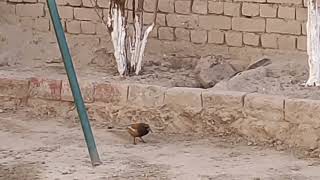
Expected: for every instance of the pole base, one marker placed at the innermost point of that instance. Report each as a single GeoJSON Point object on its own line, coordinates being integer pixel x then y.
{"type": "Point", "coordinates": [96, 163]}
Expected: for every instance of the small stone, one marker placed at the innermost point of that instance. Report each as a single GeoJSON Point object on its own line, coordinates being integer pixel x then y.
{"type": "Point", "coordinates": [313, 148]}
{"type": "Point", "coordinates": [295, 168]}
{"type": "Point", "coordinates": [1, 111]}
{"type": "Point", "coordinates": [250, 143]}
{"type": "Point", "coordinates": [314, 163]}
{"type": "Point", "coordinates": [66, 172]}
{"type": "Point", "coordinates": [54, 60]}
{"type": "Point", "coordinates": [280, 148]}
{"type": "Point", "coordinates": [306, 153]}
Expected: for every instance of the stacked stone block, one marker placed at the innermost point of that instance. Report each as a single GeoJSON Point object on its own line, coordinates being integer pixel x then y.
{"type": "Point", "coordinates": [259, 117]}
{"type": "Point", "coordinates": [266, 24]}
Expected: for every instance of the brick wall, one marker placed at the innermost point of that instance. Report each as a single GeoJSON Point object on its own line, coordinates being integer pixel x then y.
{"type": "Point", "coordinates": [261, 24]}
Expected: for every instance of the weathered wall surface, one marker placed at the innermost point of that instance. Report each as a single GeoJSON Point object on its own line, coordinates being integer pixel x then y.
{"type": "Point", "coordinates": [234, 24]}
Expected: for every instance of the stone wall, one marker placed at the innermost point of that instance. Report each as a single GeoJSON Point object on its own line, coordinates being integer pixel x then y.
{"type": "Point", "coordinates": [258, 117]}
{"type": "Point", "coordinates": [257, 24]}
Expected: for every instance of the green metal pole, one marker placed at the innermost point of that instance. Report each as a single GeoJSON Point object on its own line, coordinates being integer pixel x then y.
{"type": "Point", "coordinates": [82, 112]}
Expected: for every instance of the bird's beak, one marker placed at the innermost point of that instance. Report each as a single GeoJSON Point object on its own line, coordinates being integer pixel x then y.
{"type": "Point", "coordinates": [150, 130]}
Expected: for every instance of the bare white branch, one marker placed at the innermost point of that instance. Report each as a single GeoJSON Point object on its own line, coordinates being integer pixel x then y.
{"type": "Point", "coordinates": [313, 43]}
{"type": "Point", "coordinates": [116, 24]}
{"type": "Point", "coordinates": [128, 50]}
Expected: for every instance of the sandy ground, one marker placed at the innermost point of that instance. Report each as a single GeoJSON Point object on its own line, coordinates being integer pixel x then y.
{"type": "Point", "coordinates": [27, 51]}
{"type": "Point", "coordinates": [54, 149]}
{"type": "Point", "coordinates": [284, 76]}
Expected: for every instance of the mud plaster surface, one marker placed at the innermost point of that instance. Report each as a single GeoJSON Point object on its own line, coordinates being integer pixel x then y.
{"type": "Point", "coordinates": [54, 149]}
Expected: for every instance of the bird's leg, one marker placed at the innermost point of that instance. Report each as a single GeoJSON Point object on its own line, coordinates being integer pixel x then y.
{"type": "Point", "coordinates": [134, 140]}
{"type": "Point", "coordinates": [142, 140]}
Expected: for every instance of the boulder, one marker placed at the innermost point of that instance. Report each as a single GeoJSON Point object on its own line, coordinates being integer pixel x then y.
{"type": "Point", "coordinates": [211, 70]}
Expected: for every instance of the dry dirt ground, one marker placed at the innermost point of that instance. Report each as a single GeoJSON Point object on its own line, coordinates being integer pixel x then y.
{"type": "Point", "coordinates": [55, 149]}
{"type": "Point", "coordinates": [27, 51]}
{"type": "Point", "coordinates": [284, 76]}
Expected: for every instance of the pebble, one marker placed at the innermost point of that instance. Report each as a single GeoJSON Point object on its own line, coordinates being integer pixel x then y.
{"type": "Point", "coordinates": [295, 168]}
{"type": "Point", "coordinates": [66, 172]}
{"type": "Point", "coordinates": [271, 145]}
{"type": "Point", "coordinates": [280, 148]}
{"type": "Point", "coordinates": [278, 142]}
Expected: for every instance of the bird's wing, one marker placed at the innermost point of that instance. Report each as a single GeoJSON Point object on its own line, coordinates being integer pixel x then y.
{"type": "Point", "coordinates": [135, 126]}
{"type": "Point", "coordinates": [132, 129]}
{"type": "Point", "coordinates": [133, 132]}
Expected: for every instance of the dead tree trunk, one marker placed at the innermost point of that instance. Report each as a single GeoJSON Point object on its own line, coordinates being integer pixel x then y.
{"type": "Point", "coordinates": [313, 42]}
{"type": "Point", "coordinates": [128, 50]}
{"type": "Point", "coordinates": [117, 28]}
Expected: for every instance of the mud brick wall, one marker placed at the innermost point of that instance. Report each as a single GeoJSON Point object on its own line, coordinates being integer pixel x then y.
{"type": "Point", "coordinates": [258, 117]}
{"type": "Point", "coordinates": [262, 24]}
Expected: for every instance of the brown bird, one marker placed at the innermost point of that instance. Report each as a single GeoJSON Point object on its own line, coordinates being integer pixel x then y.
{"type": "Point", "coordinates": [138, 130]}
